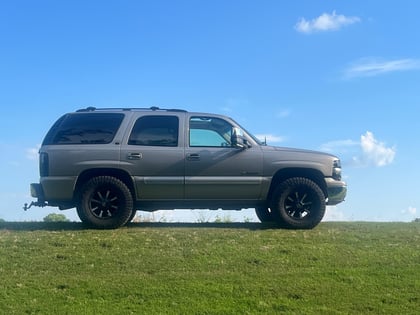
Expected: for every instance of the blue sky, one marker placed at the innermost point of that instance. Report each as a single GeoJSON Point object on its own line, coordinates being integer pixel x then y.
{"type": "Point", "coordinates": [337, 76]}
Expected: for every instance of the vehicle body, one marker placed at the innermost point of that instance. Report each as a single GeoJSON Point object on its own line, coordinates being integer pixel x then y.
{"type": "Point", "coordinates": [108, 163]}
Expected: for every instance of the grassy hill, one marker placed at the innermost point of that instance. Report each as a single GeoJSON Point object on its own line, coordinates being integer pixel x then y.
{"type": "Point", "coordinates": [217, 268]}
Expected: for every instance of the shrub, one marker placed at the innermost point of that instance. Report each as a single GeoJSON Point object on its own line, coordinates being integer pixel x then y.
{"type": "Point", "coordinates": [56, 217]}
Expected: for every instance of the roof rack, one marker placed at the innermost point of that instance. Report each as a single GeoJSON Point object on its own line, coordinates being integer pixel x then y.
{"type": "Point", "coordinates": [152, 108]}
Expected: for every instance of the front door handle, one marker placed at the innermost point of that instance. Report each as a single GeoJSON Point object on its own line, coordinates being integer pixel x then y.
{"type": "Point", "coordinates": [134, 156]}
{"type": "Point", "coordinates": [193, 157]}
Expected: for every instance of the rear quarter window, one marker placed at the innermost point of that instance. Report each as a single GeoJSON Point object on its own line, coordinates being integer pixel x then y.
{"type": "Point", "coordinates": [84, 128]}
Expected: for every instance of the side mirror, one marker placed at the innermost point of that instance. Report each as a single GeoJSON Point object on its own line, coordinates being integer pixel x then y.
{"type": "Point", "coordinates": [238, 140]}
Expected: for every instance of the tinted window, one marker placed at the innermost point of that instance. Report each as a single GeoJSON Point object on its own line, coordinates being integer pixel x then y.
{"type": "Point", "coordinates": [155, 131]}
{"type": "Point", "coordinates": [210, 132]}
{"type": "Point", "coordinates": [92, 128]}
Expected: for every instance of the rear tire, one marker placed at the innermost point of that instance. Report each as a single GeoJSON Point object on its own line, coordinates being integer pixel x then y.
{"type": "Point", "coordinates": [105, 203]}
{"type": "Point", "coordinates": [298, 203]}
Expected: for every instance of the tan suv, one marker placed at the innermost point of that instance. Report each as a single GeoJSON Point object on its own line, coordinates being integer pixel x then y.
{"type": "Point", "coordinates": [108, 163]}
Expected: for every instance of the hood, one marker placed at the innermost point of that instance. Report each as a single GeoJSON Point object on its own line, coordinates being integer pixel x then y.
{"type": "Point", "coordinates": [288, 150]}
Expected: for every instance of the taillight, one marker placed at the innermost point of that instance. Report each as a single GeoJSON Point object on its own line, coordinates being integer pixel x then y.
{"type": "Point", "coordinates": [43, 164]}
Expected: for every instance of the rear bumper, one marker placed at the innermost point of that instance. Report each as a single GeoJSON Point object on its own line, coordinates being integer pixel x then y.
{"type": "Point", "coordinates": [37, 191]}
{"type": "Point", "coordinates": [337, 191]}
{"type": "Point", "coordinates": [54, 190]}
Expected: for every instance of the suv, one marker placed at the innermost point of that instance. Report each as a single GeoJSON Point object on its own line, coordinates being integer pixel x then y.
{"type": "Point", "coordinates": [108, 163]}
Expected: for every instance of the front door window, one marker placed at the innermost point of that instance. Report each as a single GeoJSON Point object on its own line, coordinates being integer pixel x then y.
{"type": "Point", "coordinates": [210, 132]}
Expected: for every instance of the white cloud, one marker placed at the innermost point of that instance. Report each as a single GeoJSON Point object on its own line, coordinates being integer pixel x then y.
{"type": "Point", "coordinates": [232, 103]}
{"type": "Point", "coordinates": [339, 145]}
{"type": "Point", "coordinates": [373, 67]}
{"type": "Point", "coordinates": [410, 210]}
{"type": "Point", "coordinates": [368, 151]}
{"type": "Point", "coordinates": [32, 153]}
{"type": "Point", "coordinates": [376, 152]}
{"type": "Point", "coordinates": [325, 22]}
{"type": "Point", "coordinates": [270, 138]}
{"type": "Point", "coordinates": [283, 113]}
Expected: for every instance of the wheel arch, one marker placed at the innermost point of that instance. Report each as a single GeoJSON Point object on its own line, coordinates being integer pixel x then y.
{"type": "Point", "coordinates": [284, 174]}
{"type": "Point", "coordinates": [94, 172]}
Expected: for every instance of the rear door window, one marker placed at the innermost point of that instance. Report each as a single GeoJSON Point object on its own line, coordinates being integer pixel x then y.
{"type": "Point", "coordinates": [159, 131]}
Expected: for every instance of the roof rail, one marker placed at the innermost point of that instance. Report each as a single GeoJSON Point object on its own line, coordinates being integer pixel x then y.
{"type": "Point", "coordinates": [152, 108]}
{"type": "Point", "coordinates": [87, 109]}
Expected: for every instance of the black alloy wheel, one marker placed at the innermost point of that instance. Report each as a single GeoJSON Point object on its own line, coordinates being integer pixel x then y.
{"type": "Point", "coordinates": [299, 203]}
{"type": "Point", "coordinates": [105, 202]}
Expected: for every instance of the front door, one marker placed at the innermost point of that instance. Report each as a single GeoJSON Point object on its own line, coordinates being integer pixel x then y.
{"type": "Point", "coordinates": [214, 168]}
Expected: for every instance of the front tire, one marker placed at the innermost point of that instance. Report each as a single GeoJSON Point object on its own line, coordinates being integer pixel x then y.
{"type": "Point", "coordinates": [105, 203]}
{"type": "Point", "coordinates": [265, 214]}
{"type": "Point", "coordinates": [298, 203]}
{"type": "Point", "coordinates": [132, 216]}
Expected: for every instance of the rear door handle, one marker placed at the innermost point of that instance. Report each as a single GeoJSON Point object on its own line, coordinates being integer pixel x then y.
{"type": "Point", "coordinates": [193, 157]}
{"type": "Point", "coordinates": [134, 156]}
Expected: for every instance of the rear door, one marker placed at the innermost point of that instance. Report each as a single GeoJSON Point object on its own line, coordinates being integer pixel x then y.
{"type": "Point", "coordinates": [153, 153]}
{"type": "Point", "coordinates": [214, 168]}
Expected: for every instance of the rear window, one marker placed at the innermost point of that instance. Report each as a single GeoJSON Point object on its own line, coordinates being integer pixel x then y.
{"type": "Point", "coordinates": [91, 128]}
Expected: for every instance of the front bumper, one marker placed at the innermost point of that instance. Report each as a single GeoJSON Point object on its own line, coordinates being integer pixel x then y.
{"type": "Point", "coordinates": [337, 191]}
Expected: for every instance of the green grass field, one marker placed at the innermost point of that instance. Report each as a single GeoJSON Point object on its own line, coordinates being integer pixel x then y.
{"type": "Point", "coordinates": [244, 268]}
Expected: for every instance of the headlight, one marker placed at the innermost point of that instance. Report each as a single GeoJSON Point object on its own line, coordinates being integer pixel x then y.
{"type": "Point", "coordinates": [336, 173]}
